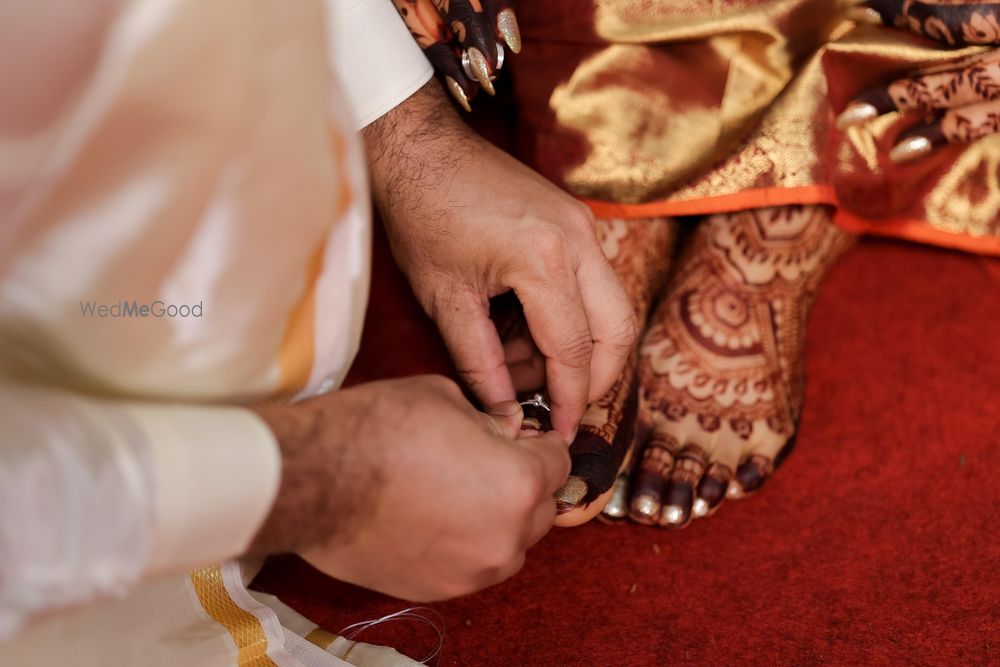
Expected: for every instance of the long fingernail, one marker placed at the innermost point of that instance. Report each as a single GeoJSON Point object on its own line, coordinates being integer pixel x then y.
{"type": "Point", "coordinates": [571, 494]}
{"type": "Point", "coordinates": [864, 15]}
{"type": "Point", "coordinates": [507, 25]}
{"type": "Point", "coordinates": [910, 148]}
{"type": "Point", "coordinates": [481, 70]}
{"type": "Point", "coordinates": [617, 507]}
{"type": "Point", "coordinates": [855, 114]}
{"type": "Point", "coordinates": [457, 92]}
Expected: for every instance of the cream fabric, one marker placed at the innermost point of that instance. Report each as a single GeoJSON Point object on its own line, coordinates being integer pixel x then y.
{"type": "Point", "coordinates": [378, 62]}
{"type": "Point", "coordinates": [184, 229]}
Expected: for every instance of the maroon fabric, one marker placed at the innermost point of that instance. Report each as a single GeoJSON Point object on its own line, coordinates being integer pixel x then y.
{"type": "Point", "coordinates": [875, 543]}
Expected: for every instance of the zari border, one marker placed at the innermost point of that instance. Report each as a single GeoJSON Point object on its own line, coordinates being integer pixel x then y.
{"type": "Point", "coordinates": [256, 647]}
{"type": "Point", "coordinates": [912, 230]}
{"type": "Point", "coordinates": [321, 638]}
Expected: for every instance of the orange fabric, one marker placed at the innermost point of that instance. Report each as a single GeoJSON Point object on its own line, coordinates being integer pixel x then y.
{"type": "Point", "coordinates": [920, 232]}
{"type": "Point", "coordinates": [298, 344]}
{"type": "Point", "coordinates": [911, 230]}
{"type": "Point", "coordinates": [758, 198]}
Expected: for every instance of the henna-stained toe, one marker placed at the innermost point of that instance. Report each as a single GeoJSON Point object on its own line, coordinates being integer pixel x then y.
{"type": "Point", "coordinates": [753, 472]}
{"type": "Point", "coordinates": [712, 489]}
{"type": "Point", "coordinates": [677, 503]}
{"type": "Point", "coordinates": [651, 479]}
{"type": "Point", "coordinates": [617, 507]}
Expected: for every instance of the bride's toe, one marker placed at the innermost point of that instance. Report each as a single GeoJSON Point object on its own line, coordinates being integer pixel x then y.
{"type": "Point", "coordinates": [712, 489]}
{"type": "Point", "coordinates": [678, 501]}
{"type": "Point", "coordinates": [752, 473]}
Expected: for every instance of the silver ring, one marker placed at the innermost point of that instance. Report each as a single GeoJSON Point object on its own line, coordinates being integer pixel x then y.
{"type": "Point", "coordinates": [537, 401]}
{"type": "Point", "coordinates": [467, 66]}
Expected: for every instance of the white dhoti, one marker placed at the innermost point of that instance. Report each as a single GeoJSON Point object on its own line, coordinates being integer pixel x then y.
{"type": "Point", "coordinates": [184, 230]}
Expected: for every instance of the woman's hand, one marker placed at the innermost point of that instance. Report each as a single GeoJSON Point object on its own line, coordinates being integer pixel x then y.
{"type": "Point", "coordinates": [951, 22]}
{"type": "Point", "coordinates": [463, 39]}
{"type": "Point", "coordinates": [961, 102]}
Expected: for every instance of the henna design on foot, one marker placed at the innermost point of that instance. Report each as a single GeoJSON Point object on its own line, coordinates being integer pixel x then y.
{"type": "Point", "coordinates": [721, 369]}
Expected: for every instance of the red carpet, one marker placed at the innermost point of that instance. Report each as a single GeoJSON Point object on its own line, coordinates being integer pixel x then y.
{"type": "Point", "coordinates": [875, 544]}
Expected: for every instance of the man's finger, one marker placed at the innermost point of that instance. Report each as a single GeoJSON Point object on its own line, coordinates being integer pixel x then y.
{"type": "Point", "coordinates": [540, 524]}
{"type": "Point", "coordinates": [475, 347]}
{"type": "Point", "coordinates": [505, 419]}
{"type": "Point", "coordinates": [552, 453]}
{"type": "Point", "coordinates": [558, 324]}
{"type": "Point", "coordinates": [613, 325]}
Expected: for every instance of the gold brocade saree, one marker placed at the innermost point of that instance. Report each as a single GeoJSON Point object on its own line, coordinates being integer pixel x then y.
{"type": "Point", "coordinates": [655, 107]}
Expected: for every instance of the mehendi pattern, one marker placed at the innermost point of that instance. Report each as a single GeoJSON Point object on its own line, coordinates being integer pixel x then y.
{"type": "Point", "coordinates": [724, 348]}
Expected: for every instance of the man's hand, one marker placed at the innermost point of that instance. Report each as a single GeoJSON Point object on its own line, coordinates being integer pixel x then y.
{"type": "Point", "coordinates": [403, 487]}
{"type": "Point", "coordinates": [466, 223]}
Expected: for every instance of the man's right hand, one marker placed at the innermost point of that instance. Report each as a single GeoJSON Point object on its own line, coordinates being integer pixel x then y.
{"type": "Point", "coordinates": [403, 487]}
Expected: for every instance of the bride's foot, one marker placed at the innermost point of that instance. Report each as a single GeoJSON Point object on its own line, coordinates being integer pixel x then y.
{"type": "Point", "coordinates": [721, 367]}
{"type": "Point", "coordinates": [639, 251]}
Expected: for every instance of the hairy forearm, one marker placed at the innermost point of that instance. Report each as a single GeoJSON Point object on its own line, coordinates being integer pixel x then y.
{"type": "Point", "coordinates": [411, 148]}
{"type": "Point", "coordinates": [325, 483]}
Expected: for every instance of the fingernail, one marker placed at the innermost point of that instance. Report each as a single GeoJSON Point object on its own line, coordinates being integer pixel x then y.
{"type": "Point", "coordinates": [507, 25]}
{"type": "Point", "coordinates": [457, 92]}
{"type": "Point", "coordinates": [617, 507]}
{"type": "Point", "coordinates": [481, 69]}
{"type": "Point", "coordinates": [910, 149]}
{"type": "Point", "coordinates": [570, 494]}
{"type": "Point", "coordinates": [855, 114]}
{"type": "Point", "coordinates": [645, 508]}
{"type": "Point", "coordinates": [864, 15]}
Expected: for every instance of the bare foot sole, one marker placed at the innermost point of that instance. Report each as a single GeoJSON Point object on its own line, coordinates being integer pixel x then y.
{"type": "Point", "coordinates": [721, 365]}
